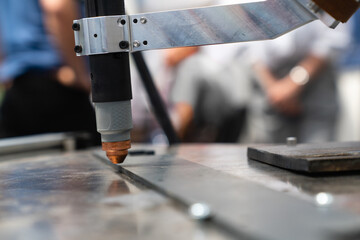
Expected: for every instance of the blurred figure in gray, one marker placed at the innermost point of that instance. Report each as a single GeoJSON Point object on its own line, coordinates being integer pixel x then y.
{"type": "Point", "coordinates": [294, 90]}
{"type": "Point", "coordinates": [145, 126]}
{"type": "Point", "coordinates": [210, 92]}
{"type": "Point", "coordinates": [349, 86]}
{"type": "Point", "coordinates": [47, 86]}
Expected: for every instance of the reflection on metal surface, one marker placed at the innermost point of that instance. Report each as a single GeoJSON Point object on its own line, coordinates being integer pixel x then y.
{"type": "Point", "coordinates": [118, 187]}
{"type": "Point", "coordinates": [324, 199]}
{"type": "Point", "coordinates": [74, 196]}
{"type": "Point", "coordinates": [200, 211]}
{"type": "Point", "coordinates": [237, 205]}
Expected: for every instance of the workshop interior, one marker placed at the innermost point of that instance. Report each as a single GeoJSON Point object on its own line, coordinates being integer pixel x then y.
{"type": "Point", "coordinates": [191, 119]}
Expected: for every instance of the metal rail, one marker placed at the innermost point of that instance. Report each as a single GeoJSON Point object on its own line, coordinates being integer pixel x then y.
{"type": "Point", "coordinates": [37, 142]}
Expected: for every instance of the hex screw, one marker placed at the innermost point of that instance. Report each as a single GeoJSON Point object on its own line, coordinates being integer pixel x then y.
{"type": "Point", "coordinates": [76, 27]}
{"type": "Point", "coordinates": [121, 21]}
{"type": "Point", "coordinates": [143, 20]}
{"type": "Point", "coordinates": [124, 44]}
{"type": "Point", "coordinates": [136, 44]}
{"type": "Point", "coordinates": [78, 49]}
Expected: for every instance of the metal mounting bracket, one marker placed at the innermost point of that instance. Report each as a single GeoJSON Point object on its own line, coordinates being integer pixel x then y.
{"type": "Point", "coordinates": [194, 27]}
{"type": "Point", "coordinates": [99, 35]}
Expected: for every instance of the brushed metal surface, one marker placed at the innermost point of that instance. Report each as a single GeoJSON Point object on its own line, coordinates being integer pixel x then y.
{"type": "Point", "coordinates": [220, 24]}
{"type": "Point", "coordinates": [75, 196]}
{"type": "Point", "coordinates": [191, 27]}
{"type": "Point", "coordinates": [243, 207]}
{"type": "Point", "coordinates": [101, 34]}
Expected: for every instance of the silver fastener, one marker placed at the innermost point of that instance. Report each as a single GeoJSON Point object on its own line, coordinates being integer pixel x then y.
{"type": "Point", "coordinates": [136, 44]}
{"type": "Point", "coordinates": [324, 199]}
{"type": "Point", "coordinates": [121, 22]}
{"type": "Point", "coordinates": [200, 211]}
{"type": "Point", "coordinates": [143, 20]}
{"type": "Point", "coordinates": [291, 141]}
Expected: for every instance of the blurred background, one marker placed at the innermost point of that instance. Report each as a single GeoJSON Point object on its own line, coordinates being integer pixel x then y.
{"type": "Point", "coordinates": [215, 94]}
{"type": "Point", "coordinates": [240, 92]}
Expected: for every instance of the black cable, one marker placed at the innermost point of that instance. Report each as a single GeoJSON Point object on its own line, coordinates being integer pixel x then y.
{"type": "Point", "coordinates": [155, 99]}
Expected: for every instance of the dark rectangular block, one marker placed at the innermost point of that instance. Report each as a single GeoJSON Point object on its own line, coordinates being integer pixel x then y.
{"type": "Point", "coordinates": [311, 158]}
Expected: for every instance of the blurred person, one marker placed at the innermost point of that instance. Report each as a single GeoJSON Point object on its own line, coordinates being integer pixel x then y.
{"type": "Point", "coordinates": [210, 90]}
{"type": "Point", "coordinates": [351, 60]}
{"type": "Point", "coordinates": [349, 86]}
{"type": "Point", "coordinates": [209, 93]}
{"type": "Point", "coordinates": [47, 86]}
{"type": "Point", "coordinates": [294, 89]}
{"type": "Point", "coordinates": [145, 127]}
{"type": "Point", "coordinates": [2, 89]}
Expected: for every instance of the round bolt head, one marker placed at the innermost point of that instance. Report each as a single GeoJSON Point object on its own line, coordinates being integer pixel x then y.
{"type": "Point", "coordinates": [143, 20]}
{"type": "Point", "coordinates": [76, 27]}
{"type": "Point", "coordinates": [291, 141]}
{"type": "Point", "coordinates": [124, 44]}
{"type": "Point", "coordinates": [121, 21]}
{"type": "Point", "coordinates": [78, 49]}
{"type": "Point", "coordinates": [324, 199]}
{"type": "Point", "coordinates": [136, 44]}
{"type": "Point", "coordinates": [200, 211]}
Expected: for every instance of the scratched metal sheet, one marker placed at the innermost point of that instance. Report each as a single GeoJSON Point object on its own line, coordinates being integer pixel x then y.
{"type": "Point", "coordinates": [247, 209]}
{"type": "Point", "coordinates": [75, 196]}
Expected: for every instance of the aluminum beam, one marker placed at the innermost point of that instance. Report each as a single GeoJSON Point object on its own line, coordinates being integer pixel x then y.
{"type": "Point", "coordinates": [191, 27]}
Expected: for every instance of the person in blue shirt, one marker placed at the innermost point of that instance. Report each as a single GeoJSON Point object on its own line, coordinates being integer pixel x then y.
{"type": "Point", "coordinates": [47, 86]}
{"type": "Point", "coordinates": [350, 61]}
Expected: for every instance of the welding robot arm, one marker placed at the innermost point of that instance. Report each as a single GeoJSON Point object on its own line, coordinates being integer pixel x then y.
{"type": "Point", "coordinates": [107, 35]}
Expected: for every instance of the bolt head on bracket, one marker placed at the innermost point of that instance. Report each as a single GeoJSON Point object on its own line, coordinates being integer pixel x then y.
{"type": "Point", "coordinates": [78, 49]}
{"type": "Point", "coordinates": [97, 35]}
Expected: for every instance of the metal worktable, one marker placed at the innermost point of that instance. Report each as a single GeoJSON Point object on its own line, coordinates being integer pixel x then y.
{"type": "Point", "coordinates": [75, 195]}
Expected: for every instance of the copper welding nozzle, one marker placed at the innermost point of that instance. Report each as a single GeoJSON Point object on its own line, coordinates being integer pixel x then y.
{"type": "Point", "coordinates": [116, 151]}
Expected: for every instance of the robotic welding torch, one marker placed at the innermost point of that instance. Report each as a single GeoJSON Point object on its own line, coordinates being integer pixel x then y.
{"type": "Point", "coordinates": [111, 87]}
{"type": "Point", "coordinates": [107, 36]}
